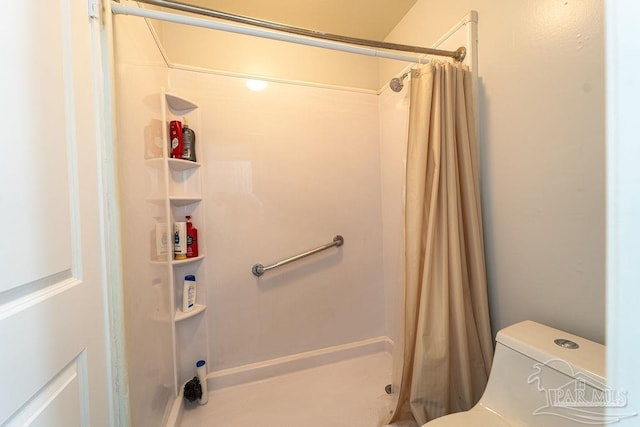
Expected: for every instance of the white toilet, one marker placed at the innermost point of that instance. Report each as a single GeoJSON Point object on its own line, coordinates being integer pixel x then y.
{"type": "Point", "coordinates": [543, 377]}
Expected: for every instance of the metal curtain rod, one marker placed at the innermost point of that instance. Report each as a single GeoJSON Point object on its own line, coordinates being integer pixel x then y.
{"type": "Point", "coordinates": [119, 9]}
{"type": "Point", "coordinates": [259, 269]}
{"type": "Point", "coordinates": [458, 55]}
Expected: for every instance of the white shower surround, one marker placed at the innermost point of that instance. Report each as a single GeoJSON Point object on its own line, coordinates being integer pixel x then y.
{"type": "Point", "coordinates": [286, 169]}
{"type": "Point", "coordinates": [283, 170]}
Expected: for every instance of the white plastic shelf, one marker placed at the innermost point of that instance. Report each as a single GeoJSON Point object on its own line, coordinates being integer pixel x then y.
{"type": "Point", "coordinates": [187, 261]}
{"type": "Point", "coordinates": [182, 165]}
{"type": "Point", "coordinates": [197, 309]}
{"type": "Point", "coordinates": [179, 104]}
{"type": "Point", "coordinates": [184, 200]}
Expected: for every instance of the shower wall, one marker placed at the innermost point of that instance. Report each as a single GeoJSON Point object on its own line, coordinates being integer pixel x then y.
{"type": "Point", "coordinates": [286, 169]}
{"type": "Point", "coordinates": [393, 125]}
{"type": "Point", "coordinates": [139, 73]}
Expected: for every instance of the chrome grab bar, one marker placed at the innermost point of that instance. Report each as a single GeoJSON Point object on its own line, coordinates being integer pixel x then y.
{"type": "Point", "coordinates": [259, 269]}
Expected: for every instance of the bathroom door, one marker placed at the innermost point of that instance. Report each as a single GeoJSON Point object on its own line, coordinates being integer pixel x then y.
{"type": "Point", "coordinates": [54, 346]}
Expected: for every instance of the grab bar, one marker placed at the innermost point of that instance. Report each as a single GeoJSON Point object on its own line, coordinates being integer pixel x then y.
{"type": "Point", "coordinates": [259, 269]}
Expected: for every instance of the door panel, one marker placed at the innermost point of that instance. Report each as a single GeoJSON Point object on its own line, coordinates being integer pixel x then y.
{"type": "Point", "coordinates": [52, 289]}
{"type": "Point", "coordinates": [35, 172]}
{"type": "Point", "coordinates": [59, 402]}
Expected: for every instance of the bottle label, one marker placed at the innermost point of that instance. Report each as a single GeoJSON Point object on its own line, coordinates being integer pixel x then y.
{"type": "Point", "coordinates": [189, 141]}
{"type": "Point", "coordinates": [192, 250]}
{"type": "Point", "coordinates": [180, 240]}
{"type": "Point", "coordinates": [190, 298]}
{"type": "Point", "coordinates": [175, 136]}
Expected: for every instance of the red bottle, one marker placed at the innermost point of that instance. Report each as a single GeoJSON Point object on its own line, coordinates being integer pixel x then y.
{"type": "Point", "coordinates": [175, 138]}
{"type": "Point", "coordinates": [192, 239]}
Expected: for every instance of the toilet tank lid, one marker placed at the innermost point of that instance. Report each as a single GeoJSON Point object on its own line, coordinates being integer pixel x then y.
{"type": "Point", "coordinates": [537, 342]}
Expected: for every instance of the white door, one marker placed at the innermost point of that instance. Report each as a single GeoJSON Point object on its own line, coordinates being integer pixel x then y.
{"type": "Point", "coordinates": [54, 348]}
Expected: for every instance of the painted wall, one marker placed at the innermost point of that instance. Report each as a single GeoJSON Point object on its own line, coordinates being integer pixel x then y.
{"type": "Point", "coordinates": [140, 72]}
{"type": "Point", "coordinates": [286, 170]}
{"type": "Point", "coordinates": [541, 113]}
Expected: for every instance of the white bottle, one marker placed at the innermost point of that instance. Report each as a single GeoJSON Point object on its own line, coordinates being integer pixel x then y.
{"type": "Point", "coordinates": [180, 240]}
{"type": "Point", "coordinates": [201, 372]}
{"type": "Point", "coordinates": [189, 293]}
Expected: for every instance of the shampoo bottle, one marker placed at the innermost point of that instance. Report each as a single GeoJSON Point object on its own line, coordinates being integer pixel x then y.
{"type": "Point", "coordinates": [189, 141]}
{"type": "Point", "coordinates": [192, 239]}
{"type": "Point", "coordinates": [189, 293]}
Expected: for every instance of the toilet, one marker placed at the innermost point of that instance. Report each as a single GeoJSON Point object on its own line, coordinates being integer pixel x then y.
{"type": "Point", "coordinates": [542, 376]}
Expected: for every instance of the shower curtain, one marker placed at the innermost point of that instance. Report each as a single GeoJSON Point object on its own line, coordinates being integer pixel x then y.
{"type": "Point", "coordinates": [448, 348]}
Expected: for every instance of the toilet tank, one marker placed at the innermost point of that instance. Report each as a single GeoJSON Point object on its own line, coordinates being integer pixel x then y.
{"type": "Point", "coordinates": [543, 376]}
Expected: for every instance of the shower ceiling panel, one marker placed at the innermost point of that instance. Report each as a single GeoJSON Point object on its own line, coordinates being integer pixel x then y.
{"type": "Point", "coordinates": [191, 47]}
{"type": "Point", "coordinates": [370, 19]}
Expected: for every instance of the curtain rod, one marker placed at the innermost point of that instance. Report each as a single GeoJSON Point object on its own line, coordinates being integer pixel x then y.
{"type": "Point", "coordinates": [295, 34]}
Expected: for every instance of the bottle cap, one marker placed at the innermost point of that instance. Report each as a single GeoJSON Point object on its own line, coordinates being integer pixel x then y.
{"type": "Point", "coordinates": [190, 278]}
{"type": "Point", "coordinates": [200, 363]}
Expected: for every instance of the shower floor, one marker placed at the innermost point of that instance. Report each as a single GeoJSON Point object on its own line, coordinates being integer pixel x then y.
{"type": "Point", "coordinates": [347, 393]}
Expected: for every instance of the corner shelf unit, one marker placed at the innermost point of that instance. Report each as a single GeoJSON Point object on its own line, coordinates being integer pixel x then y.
{"type": "Point", "coordinates": [178, 194]}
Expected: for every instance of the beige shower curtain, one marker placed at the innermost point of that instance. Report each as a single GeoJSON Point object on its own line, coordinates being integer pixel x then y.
{"type": "Point", "coordinates": [448, 347]}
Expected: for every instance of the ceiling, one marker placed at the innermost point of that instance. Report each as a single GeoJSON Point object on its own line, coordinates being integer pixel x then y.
{"type": "Point", "coordinates": [369, 19]}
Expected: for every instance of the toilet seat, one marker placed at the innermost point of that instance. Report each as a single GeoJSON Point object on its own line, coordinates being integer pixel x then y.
{"type": "Point", "coordinates": [477, 416]}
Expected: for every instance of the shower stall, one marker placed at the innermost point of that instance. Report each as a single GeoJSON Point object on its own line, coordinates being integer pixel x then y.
{"type": "Point", "coordinates": [278, 171]}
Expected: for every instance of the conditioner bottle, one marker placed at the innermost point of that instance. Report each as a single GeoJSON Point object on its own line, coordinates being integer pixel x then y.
{"type": "Point", "coordinates": [189, 293]}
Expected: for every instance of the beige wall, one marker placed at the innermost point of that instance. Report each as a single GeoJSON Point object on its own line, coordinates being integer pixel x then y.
{"type": "Point", "coordinates": [541, 112]}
